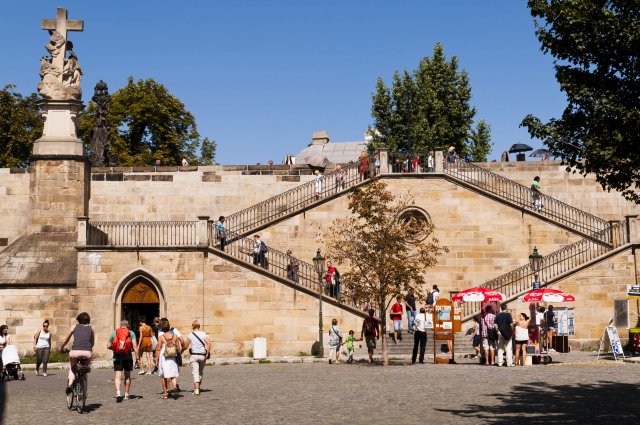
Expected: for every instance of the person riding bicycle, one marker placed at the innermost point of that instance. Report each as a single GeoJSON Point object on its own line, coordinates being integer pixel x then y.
{"type": "Point", "coordinates": [83, 339]}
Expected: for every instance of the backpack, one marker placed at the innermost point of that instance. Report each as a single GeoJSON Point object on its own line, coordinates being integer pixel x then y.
{"type": "Point", "coordinates": [263, 247]}
{"type": "Point", "coordinates": [430, 298]}
{"type": "Point", "coordinates": [121, 344]}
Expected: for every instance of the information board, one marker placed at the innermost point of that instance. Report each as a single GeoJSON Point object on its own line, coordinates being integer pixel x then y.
{"type": "Point", "coordinates": [443, 319]}
{"type": "Point", "coordinates": [566, 320]}
{"type": "Point", "coordinates": [614, 340]}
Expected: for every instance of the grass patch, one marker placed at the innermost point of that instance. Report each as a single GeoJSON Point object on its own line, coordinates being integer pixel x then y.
{"type": "Point", "coordinates": [249, 353]}
{"type": "Point", "coordinates": [225, 364]}
{"type": "Point", "coordinates": [264, 361]}
{"type": "Point", "coordinates": [396, 358]}
{"type": "Point", "coordinates": [54, 357]}
{"type": "Point", "coordinates": [303, 354]}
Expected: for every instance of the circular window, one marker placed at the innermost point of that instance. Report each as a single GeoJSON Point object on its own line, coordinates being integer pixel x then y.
{"type": "Point", "coordinates": [419, 221]}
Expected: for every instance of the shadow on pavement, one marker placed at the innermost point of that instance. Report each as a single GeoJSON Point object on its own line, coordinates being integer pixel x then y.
{"type": "Point", "coordinates": [88, 408]}
{"type": "Point", "coordinates": [567, 404]}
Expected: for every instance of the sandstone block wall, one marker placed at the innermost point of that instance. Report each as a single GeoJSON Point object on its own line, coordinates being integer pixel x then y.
{"type": "Point", "coordinates": [14, 204]}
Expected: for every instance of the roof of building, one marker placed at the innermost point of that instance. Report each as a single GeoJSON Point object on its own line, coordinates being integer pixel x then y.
{"type": "Point", "coordinates": [337, 153]}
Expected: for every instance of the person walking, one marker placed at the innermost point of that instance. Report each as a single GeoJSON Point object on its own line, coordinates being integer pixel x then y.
{"type": "Point", "coordinates": [370, 332]}
{"type": "Point", "coordinates": [156, 329]}
{"type": "Point", "coordinates": [505, 336]}
{"type": "Point", "coordinates": [488, 335]}
{"type": "Point", "coordinates": [350, 343]}
{"type": "Point", "coordinates": [536, 193]}
{"type": "Point", "coordinates": [42, 346]}
{"type": "Point", "coordinates": [335, 341]}
{"type": "Point", "coordinates": [410, 307]}
{"type": "Point", "coordinates": [165, 356]}
{"type": "Point", "coordinates": [433, 295]}
{"type": "Point", "coordinates": [430, 168]}
{"type": "Point", "coordinates": [199, 347]}
{"type": "Point", "coordinates": [331, 279]}
{"type": "Point", "coordinates": [123, 344]}
{"type": "Point", "coordinates": [83, 341]}
{"type": "Point", "coordinates": [221, 232]}
{"type": "Point", "coordinates": [259, 251]}
{"type": "Point", "coordinates": [522, 338]}
{"type": "Point", "coordinates": [145, 347]}
{"type": "Point", "coordinates": [318, 184]}
{"type": "Point", "coordinates": [341, 176]}
{"type": "Point", "coordinates": [293, 268]}
{"type": "Point", "coordinates": [396, 317]}
{"type": "Point", "coordinates": [419, 336]}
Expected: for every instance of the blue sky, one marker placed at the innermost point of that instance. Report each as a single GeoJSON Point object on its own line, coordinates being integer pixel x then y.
{"type": "Point", "coordinates": [262, 76]}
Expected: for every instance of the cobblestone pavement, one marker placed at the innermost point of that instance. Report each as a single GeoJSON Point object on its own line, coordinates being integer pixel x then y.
{"type": "Point", "coordinates": [579, 390]}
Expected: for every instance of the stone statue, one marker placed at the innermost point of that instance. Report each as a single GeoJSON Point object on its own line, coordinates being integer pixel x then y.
{"type": "Point", "coordinates": [60, 74]}
{"type": "Point", "coordinates": [99, 146]}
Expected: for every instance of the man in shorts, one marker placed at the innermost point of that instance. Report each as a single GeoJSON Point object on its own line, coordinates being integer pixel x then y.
{"type": "Point", "coordinates": [370, 332]}
{"type": "Point", "coordinates": [123, 343]}
{"type": "Point", "coordinates": [396, 317]}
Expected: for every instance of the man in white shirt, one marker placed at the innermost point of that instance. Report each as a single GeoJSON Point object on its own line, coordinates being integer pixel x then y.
{"type": "Point", "coordinates": [419, 336]}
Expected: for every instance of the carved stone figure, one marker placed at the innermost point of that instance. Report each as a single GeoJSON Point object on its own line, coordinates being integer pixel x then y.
{"type": "Point", "coordinates": [60, 73]}
{"type": "Point", "coordinates": [100, 156]}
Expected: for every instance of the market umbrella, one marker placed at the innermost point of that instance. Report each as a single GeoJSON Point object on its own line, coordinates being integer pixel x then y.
{"type": "Point", "coordinates": [520, 147]}
{"type": "Point", "coordinates": [548, 295]}
{"type": "Point", "coordinates": [541, 153]}
{"type": "Point", "coordinates": [478, 294]}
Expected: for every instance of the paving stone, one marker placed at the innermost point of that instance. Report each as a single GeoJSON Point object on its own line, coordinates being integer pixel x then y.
{"type": "Point", "coordinates": [577, 389]}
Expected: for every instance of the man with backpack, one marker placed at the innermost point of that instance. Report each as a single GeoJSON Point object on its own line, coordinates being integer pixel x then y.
{"type": "Point", "coordinates": [260, 250]}
{"type": "Point", "coordinates": [123, 343]}
{"type": "Point", "coordinates": [433, 296]}
{"type": "Point", "coordinates": [370, 332]}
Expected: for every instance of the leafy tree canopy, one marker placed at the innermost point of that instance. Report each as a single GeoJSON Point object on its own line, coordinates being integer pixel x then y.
{"type": "Point", "coordinates": [387, 252]}
{"type": "Point", "coordinates": [595, 44]}
{"type": "Point", "coordinates": [147, 123]}
{"type": "Point", "coordinates": [20, 125]}
{"type": "Point", "coordinates": [427, 108]}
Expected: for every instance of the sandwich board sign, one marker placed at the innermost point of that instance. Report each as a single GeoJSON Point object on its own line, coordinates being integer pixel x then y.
{"type": "Point", "coordinates": [611, 333]}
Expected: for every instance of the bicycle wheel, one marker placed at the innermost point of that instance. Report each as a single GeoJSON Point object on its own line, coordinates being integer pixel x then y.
{"type": "Point", "coordinates": [81, 393]}
{"type": "Point", "coordinates": [71, 398]}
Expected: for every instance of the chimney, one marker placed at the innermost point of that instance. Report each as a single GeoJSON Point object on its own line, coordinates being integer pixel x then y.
{"type": "Point", "coordinates": [319, 138]}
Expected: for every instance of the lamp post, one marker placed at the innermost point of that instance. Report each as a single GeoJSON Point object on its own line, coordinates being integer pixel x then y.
{"type": "Point", "coordinates": [535, 262]}
{"type": "Point", "coordinates": [318, 263]}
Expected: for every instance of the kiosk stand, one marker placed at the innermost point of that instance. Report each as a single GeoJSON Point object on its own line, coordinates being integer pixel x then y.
{"type": "Point", "coordinates": [446, 321]}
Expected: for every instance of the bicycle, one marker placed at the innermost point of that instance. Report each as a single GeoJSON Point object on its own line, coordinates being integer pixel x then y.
{"type": "Point", "coordinates": [78, 395]}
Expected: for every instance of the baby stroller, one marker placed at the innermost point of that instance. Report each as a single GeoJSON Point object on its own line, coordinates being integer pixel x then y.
{"type": "Point", "coordinates": [11, 364]}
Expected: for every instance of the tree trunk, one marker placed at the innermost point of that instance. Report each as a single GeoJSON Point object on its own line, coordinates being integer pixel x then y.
{"type": "Point", "coordinates": [383, 331]}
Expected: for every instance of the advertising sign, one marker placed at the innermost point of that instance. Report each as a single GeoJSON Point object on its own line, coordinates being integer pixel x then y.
{"type": "Point", "coordinates": [633, 291]}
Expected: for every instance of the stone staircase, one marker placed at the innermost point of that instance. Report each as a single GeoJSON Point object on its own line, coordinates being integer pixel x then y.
{"type": "Point", "coordinates": [404, 349]}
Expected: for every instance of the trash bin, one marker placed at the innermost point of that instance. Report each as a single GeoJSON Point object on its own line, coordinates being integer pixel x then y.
{"type": "Point", "coordinates": [259, 348]}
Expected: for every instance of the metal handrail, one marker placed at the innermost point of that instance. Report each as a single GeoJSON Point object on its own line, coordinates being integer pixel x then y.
{"type": "Point", "coordinates": [142, 233]}
{"type": "Point", "coordinates": [276, 263]}
{"type": "Point", "coordinates": [295, 199]}
{"type": "Point", "coordinates": [555, 264]}
{"type": "Point", "coordinates": [556, 210]}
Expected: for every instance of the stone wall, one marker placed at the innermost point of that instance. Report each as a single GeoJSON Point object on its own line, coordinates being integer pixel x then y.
{"type": "Point", "coordinates": [14, 204]}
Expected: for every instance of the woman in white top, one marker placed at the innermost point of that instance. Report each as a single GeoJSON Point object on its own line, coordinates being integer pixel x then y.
{"type": "Point", "coordinates": [199, 347]}
{"type": "Point", "coordinates": [167, 349]}
{"type": "Point", "coordinates": [5, 339]}
{"type": "Point", "coordinates": [42, 347]}
{"type": "Point", "coordinates": [522, 337]}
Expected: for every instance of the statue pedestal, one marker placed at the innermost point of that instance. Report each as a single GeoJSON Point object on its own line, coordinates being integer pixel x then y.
{"type": "Point", "coordinates": [59, 134]}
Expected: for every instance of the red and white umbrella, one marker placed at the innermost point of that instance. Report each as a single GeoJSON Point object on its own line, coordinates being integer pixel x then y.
{"type": "Point", "coordinates": [548, 295]}
{"type": "Point", "coordinates": [478, 294]}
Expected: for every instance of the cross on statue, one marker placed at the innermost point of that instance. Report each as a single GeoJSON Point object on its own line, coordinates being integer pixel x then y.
{"type": "Point", "coordinates": [61, 25]}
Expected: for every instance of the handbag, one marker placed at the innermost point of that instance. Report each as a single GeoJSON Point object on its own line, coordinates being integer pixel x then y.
{"type": "Point", "coordinates": [492, 333]}
{"type": "Point", "coordinates": [208, 353]}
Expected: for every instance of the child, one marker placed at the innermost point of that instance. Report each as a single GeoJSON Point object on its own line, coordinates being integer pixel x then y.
{"type": "Point", "coordinates": [350, 346]}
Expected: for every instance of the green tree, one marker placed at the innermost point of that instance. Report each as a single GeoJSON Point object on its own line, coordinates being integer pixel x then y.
{"type": "Point", "coordinates": [20, 125]}
{"type": "Point", "coordinates": [595, 44]}
{"type": "Point", "coordinates": [147, 123]}
{"type": "Point", "coordinates": [207, 152]}
{"type": "Point", "coordinates": [427, 108]}
{"type": "Point", "coordinates": [387, 252]}
{"type": "Point", "coordinates": [479, 143]}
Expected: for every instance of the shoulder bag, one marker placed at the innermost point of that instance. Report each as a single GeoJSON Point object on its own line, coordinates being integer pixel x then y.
{"type": "Point", "coordinates": [207, 355]}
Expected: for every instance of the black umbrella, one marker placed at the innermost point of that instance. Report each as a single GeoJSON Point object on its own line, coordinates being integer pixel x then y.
{"type": "Point", "coordinates": [541, 153]}
{"type": "Point", "coordinates": [520, 147]}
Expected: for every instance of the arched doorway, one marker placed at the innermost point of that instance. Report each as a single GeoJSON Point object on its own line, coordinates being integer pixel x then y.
{"type": "Point", "coordinates": [139, 298]}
